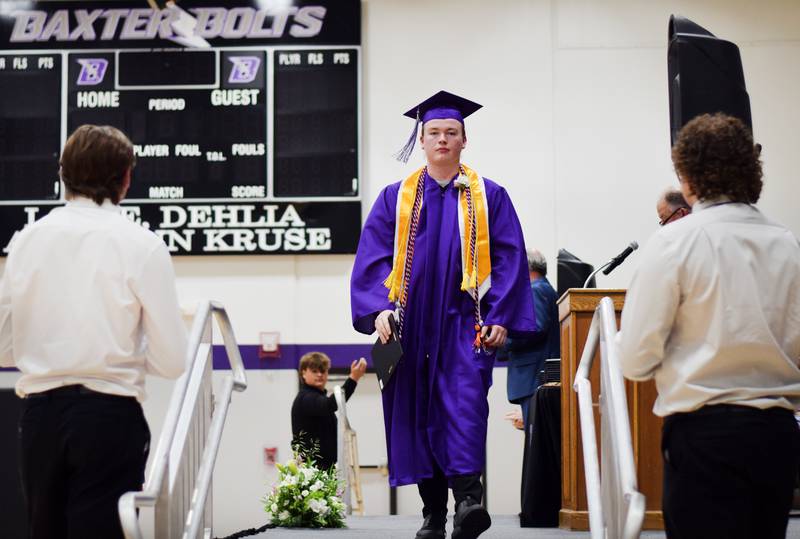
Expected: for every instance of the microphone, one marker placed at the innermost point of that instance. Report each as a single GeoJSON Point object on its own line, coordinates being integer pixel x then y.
{"type": "Point", "coordinates": [613, 263]}
{"type": "Point", "coordinates": [620, 258]}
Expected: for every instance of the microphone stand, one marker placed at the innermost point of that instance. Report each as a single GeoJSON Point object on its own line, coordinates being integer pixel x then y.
{"type": "Point", "coordinates": [595, 272]}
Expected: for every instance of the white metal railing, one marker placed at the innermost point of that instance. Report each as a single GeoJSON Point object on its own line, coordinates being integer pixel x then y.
{"type": "Point", "coordinates": [348, 467]}
{"type": "Point", "coordinates": [179, 482]}
{"type": "Point", "coordinates": [616, 507]}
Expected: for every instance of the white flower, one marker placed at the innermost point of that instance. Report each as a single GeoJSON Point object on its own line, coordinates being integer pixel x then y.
{"type": "Point", "coordinates": [304, 493]}
{"type": "Point", "coordinates": [316, 486]}
{"type": "Point", "coordinates": [288, 481]}
{"type": "Point", "coordinates": [316, 505]}
{"type": "Point", "coordinates": [462, 182]}
{"type": "Point", "coordinates": [283, 515]}
{"type": "Point", "coordinates": [308, 473]}
{"type": "Point", "coordinates": [274, 508]}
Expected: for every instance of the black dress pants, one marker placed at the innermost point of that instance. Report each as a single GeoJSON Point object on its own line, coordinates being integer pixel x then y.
{"type": "Point", "coordinates": [729, 472]}
{"type": "Point", "coordinates": [79, 452]}
{"type": "Point", "coordinates": [433, 491]}
{"type": "Point", "coordinates": [541, 469]}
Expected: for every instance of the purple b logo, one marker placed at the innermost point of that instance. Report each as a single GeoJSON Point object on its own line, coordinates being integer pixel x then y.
{"type": "Point", "coordinates": [244, 69]}
{"type": "Point", "coordinates": [92, 71]}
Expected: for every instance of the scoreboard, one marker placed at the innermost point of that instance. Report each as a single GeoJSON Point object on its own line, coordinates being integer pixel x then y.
{"type": "Point", "coordinates": [244, 115]}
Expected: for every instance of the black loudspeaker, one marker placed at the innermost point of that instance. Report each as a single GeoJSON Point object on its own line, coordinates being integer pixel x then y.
{"type": "Point", "coordinates": [705, 75]}
{"type": "Point", "coordinates": [572, 272]}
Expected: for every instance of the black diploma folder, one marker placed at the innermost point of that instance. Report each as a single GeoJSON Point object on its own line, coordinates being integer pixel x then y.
{"type": "Point", "coordinates": [385, 357]}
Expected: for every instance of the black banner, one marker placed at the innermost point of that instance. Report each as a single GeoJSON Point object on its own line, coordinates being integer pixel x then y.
{"type": "Point", "coordinates": [225, 228]}
{"type": "Point", "coordinates": [184, 23]}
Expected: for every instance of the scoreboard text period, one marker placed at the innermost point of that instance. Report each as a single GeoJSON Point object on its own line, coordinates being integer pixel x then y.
{"type": "Point", "coordinates": [244, 115]}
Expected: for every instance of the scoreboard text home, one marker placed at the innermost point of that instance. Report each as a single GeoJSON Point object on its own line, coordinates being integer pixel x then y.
{"type": "Point", "coordinates": [244, 115]}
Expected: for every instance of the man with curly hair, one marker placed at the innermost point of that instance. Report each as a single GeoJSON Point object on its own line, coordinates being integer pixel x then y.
{"type": "Point", "coordinates": [713, 314]}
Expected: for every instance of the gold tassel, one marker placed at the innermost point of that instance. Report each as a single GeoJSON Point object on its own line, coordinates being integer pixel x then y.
{"type": "Point", "coordinates": [473, 281]}
{"type": "Point", "coordinates": [389, 280]}
{"type": "Point", "coordinates": [464, 281]}
{"type": "Point", "coordinates": [392, 286]}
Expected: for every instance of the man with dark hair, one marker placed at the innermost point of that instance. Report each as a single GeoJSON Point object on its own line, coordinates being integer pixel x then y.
{"type": "Point", "coordinates": [671, 206]}
{"type": "Point", "coordinates": [526, 356]}
{"type": "Point", "coordinates": [97, 152]}
{"type": "Point", "coordinates": [314, 412]}
{"type": "Point", "coordinates": [87, 308]}
{"type": "Point", "coordinates": [713, 314]}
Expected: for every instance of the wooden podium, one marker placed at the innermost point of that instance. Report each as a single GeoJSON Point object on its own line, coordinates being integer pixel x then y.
{"type": "Point", "coordinates": [575, 310]}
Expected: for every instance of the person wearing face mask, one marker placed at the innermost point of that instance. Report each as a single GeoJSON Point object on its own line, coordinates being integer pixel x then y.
{"type": "Point", "coordinates": [313, 410]}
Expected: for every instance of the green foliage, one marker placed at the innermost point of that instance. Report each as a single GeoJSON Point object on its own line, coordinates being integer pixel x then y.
{"type": "Point", "coordinates": [305, 496]}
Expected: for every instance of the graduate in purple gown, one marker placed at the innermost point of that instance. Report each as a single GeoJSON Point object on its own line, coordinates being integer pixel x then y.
{"type": "Point", "coordinates": [443, 252]}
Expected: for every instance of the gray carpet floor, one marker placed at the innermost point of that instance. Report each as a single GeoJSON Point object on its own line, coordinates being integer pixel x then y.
{"type": "Point", "coordinates": [404, 527]}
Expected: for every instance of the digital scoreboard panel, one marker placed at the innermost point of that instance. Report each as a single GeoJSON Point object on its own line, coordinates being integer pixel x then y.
{"type": "Point", "coordinates": [244, 115]}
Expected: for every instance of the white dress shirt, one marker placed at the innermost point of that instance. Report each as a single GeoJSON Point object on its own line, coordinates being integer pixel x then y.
{"type": "Point", "coordinates": [88, 297]}
{"type": "Point", "coordinates": [713, 312]}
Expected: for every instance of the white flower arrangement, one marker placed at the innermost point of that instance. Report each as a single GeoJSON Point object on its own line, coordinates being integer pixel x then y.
{"type": "Point", "coordinates": [305, 496]}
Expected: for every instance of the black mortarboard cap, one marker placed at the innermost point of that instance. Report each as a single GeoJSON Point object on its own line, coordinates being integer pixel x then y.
{"type": "Point", "coordinates": [440, 106]}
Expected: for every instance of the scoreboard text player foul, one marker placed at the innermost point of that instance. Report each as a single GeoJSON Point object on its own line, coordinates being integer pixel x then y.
{"type": "Point", "coordinates": [244, 115]}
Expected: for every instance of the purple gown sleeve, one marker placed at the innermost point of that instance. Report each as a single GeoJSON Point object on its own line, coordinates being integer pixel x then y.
{"type": "Point", "coordinates": [508, 302]}
{"type": "Point", "coordinates": [368, 295]}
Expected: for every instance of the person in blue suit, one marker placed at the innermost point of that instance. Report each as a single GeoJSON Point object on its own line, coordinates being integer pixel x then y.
{"type": "Point", "coordinates": [526, 356]}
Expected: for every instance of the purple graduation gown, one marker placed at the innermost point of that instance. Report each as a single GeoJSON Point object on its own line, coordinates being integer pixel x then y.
{"type": "Point", "coordinates": [435, 406]}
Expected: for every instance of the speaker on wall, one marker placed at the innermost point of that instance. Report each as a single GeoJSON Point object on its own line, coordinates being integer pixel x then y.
{"type": "Point", "coordinates": [705, 75]}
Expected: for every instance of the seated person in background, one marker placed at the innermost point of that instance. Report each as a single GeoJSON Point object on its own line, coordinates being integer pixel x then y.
{"type": "Point", "coordinates": [526, 356]}
{"type": "Point", "coordinates": [313, 417]}
{"type": "Point", "coordinates": [671, 206]}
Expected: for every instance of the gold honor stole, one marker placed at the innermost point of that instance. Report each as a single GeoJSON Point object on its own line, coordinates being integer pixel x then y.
{"type": "Point", "coordinates": [473, 225]}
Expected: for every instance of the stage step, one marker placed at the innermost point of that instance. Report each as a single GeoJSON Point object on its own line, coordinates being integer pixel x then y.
{"type": "Point", "coordinates": [404, 527]}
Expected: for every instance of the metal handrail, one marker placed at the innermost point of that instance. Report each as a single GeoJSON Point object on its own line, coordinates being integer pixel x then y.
{"type": "Point", "coordinates": [622, 514]}
{"type": "Point", "coordinates": [348, 466]}
{"type": "Point", "coordinates": [180, 415]}
{"type": "Point", "coordinates": [343, 425]}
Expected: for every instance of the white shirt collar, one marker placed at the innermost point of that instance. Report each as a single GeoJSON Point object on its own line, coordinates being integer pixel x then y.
{"type": "Point", "coordinates": [707, 309]}
{"type": "Point", "coordinates": [707, 203]}
{"type": "Point", "coordinates": [78, 201]}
